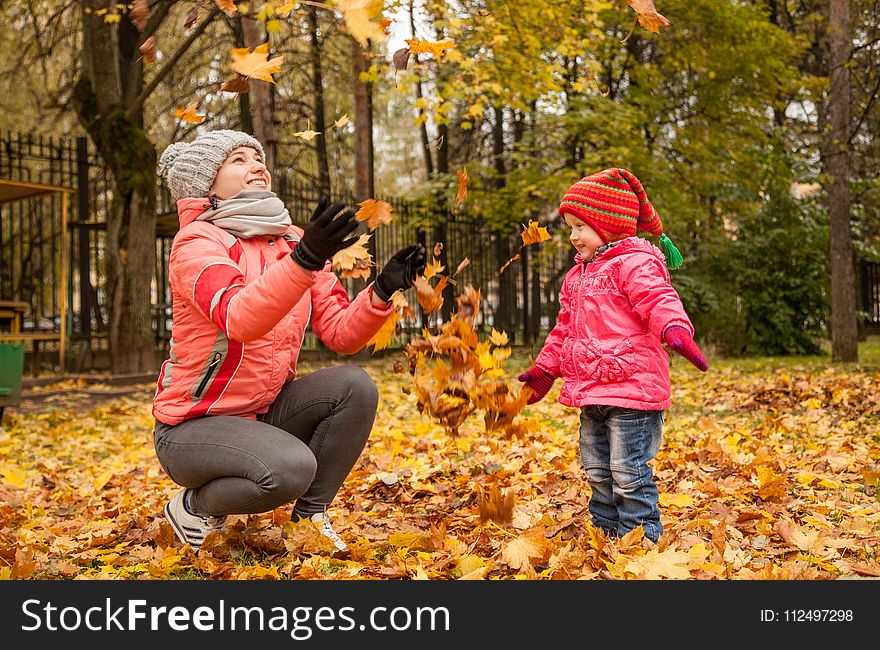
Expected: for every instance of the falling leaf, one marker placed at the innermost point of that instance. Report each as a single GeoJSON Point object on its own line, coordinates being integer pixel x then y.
{"type": "Point", "coordinates": [463, 180]}
{"type": "Point", "coordinates": [437, 48]}
{"type": "Point", "coordinates": [148, 49]}
{"type": "Point", "coordinates": [534, 233]}
{"type": "Point", "coordinates": [400, 59]}
{"type": "Point", "coordinates": [430, 298]}
{"type": "Point", "coordinates": [237, 84]}
{"type": "Point", "coordinates": [461, 265]}
{"type": "Point", "coordinates": [307, 135]}
{"type": "Point", "coordinates": [342, 121]}
{"type": "Point", "coordinates": [432, 268]}
{"type": "Point", "coordinates": [508, 263]}
{"type": "Point", "coordinates": [438, 248]}
{"type": "Point", "coordinates": [226, 6]}
{"type": "Point", "coordinates": [498, 338]}
{"type": "Point", "coordinates": [188, 114]}
{"type": "Point", "coordinates": [383, 337]}
{"type": "Point", "coordinates": [359, 15]}
{"type": "Point", "coordinates": [374, 213]}
{"type": "Point", "coordinates": [496, 505]}
{"type": "Point", "coordinates": [191, 17]}
{"type": "Point", "coordinates": [355, 260]}
{"type": "Point", "coordinates": [256, 64]}
{"type": "Point", "coordinates": [647, 15]}
{"type": "Point", "coordinates": [139, 14]}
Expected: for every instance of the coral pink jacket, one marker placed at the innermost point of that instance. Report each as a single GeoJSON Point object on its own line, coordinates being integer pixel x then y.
{"type": "Point", "coordinates": [240, 308]}
{"type": "Point", "coordinates": [607, 343]}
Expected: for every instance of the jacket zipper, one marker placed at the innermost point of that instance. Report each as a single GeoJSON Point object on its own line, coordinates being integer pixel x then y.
{"type": "Point", "coordinates": [214, 362]}
{"type": "Point", "coordinates": [577, 325]}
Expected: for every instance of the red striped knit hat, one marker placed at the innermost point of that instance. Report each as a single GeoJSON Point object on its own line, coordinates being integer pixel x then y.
{"type": "Point", "coordinates": [614, 204]}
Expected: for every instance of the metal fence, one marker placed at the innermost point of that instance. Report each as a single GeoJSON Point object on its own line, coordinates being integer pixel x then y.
{"type": "Point", "coordinates": [30, 252]}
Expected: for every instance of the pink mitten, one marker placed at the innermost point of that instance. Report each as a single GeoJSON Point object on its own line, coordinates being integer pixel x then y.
{"type": "Point", "coordinates": [681, 341]}
{"type": "Point", "coordinates": [539, 380]}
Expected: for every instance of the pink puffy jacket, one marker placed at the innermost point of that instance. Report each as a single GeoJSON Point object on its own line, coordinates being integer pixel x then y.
{"type": "Point", "coordinates": [240, 308]}
{"type": "Point", "coordinates": [607, 343]}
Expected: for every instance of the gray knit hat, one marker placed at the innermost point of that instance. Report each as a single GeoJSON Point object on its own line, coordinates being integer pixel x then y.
{"type": "Point", "coordinates": [189, 169]}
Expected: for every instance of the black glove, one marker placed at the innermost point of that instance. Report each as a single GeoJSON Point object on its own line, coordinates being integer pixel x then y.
{"type": "Point", "coordinates": [400, 271]}
{"type": "Point", "coordinates": [325, 235]}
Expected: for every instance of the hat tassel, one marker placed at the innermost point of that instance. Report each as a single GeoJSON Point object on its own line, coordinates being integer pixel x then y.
{"type": "Point", "coordinates": [673, 257]}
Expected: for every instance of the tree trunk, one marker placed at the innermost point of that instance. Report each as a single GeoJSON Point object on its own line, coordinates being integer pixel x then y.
{"type": "Point", "coordinates": [244, 103]}
{"type": "Point", "coordinates": [318, 94]}
{"type": "Point", "coordinates": [108, 51]}
{"type": "Point", "coordinates": [260, 93]}
{"type": "Point", "coordinates": [363, 126]}
{"type": "Point", "coordinates": [844, 334]}
{"type": "Point", "coordinates": [423, 125]}
{"type": "Point", "coordinates": [504, 312]}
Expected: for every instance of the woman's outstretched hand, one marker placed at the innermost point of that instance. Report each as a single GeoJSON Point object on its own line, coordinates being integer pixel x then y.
{"type": "Point", "coordinates": [400, 271]}
{"type": "Point", "coordinates": [325, 235]}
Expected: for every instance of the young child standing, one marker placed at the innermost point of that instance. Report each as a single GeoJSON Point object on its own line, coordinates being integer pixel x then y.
{"type": "Point", "coordinates": [617, 308]}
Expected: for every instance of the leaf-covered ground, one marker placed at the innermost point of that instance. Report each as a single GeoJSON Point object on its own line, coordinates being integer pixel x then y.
{"type": "Point", "coordinates": [770, 469]}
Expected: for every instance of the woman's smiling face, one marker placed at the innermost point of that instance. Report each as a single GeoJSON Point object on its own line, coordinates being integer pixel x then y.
{"type": "Point", "coordinates": [243, 169]}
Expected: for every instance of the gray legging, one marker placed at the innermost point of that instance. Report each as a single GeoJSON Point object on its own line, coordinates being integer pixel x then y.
{"type": "Point", "coordinates": [302, 449]}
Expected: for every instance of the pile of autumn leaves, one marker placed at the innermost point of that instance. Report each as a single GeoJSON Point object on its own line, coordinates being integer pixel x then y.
{"type": "Point", "coordinates": [765, 473]}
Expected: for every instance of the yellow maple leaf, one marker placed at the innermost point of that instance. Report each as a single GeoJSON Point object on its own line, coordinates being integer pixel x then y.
{"type": "Point", "coordinates": [518, 553]}
{"type": "Point", "coordinates": [13, 476]}
{"type": "Point", "coordinates": [359, 15]}
{"type": "Point", "coordinates": [342, 121]}
{"type": "Point", "coordinates": [647, 15]}
{"type": "Point", "coordinates": [681, 500]}
{"type": "Point", "coordinates": [655, 565]}
{"type": "Point", "coordinates": [383, 337]}
{"type": "Point", "coordinates": [498, 338]}
{"type": "Point", "coordinates": [433, 268]}
{"type": "Point", "coordinates": [256, 64]}
{"type": "Point", "coordinates": [307, 134]}
{"type": "Point", "coordinates": [437, 48]}
{"type": "Point", "coordinates": [348, 258]}
{"type": "Point", "coordinates": [188, 114]}
{"type": "Point", "coordinates": [463, 180]}
{"type": "Point", "coordinates": [534, 233]}
{"type": "Point", "coordinates": [374, 213]}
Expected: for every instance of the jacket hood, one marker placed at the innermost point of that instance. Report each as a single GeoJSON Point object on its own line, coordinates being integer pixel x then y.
{"type": "Point", "coordinates": [190, 208]}
{"type": "Point", "coordinates": [625, 247]}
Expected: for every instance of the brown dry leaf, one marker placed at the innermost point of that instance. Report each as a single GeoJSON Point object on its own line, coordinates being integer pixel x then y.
{"type": "Point", "coordinates": [375, 213]}
{"type": "Point", "coordinates": [188, 114]}
{"type": "Point", "coordinates": [438, 248]}
{"type": "Point", "coordinates": [256, 64]}
{"type": "Point", "coordinates": [304, 537]}
{"type": "Point", "coordinates": [461, 265]}
{"type": "Point", "coordinates": [463, 180]}
{"type": "Point", "coordinates": [400, 59]}
{"type": "Point", "coordinates": [192, 17]}
{"type": "Point", "coordinates": [496, 505]}
{"type": "Point", "coordinates": [648, 16]}
{"type": "Point", "coordinates": [148, 49]}
{"type": "Point", "coordinates": [795, 536]}
{"type": "Point", "coordinates": [342, 121]}
{"type": "Point", "coordinates": [226, 6]}
{"type": "Point", "coordinates": [359, 15]}
{"type": "Point", "coordinates": [468, 304]}
{"type": "Point", "coordinates": [534, 233]}
{"type": "Point", "coordinates": [139, 14]}
{"type": "Point", "coordinates": [437, 48]}
{"type": "Point", "coordinates": [237, 84]}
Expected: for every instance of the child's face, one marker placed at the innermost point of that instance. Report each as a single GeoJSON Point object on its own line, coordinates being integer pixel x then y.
{"type": "Point", "coordinates": [243, 169]}
{"type": "Point", "coordinates": [584, 238]}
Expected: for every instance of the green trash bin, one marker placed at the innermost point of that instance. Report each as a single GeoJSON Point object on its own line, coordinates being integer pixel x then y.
{"type": "Point", "coordinates": [11, 368]}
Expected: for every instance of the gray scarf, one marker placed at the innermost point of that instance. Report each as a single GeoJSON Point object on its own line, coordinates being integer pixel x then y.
{"type": "Point", "coordinates": [249, 213]}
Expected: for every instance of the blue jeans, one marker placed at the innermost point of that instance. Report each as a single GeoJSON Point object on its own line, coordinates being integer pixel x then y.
{"type": "Point", "coordinates": [616, 444]}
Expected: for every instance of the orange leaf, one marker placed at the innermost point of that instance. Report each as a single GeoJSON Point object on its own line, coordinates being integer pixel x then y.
{"type": "Point", "coordinates": [437, 48]}
{"type": "Point", "coordinates": [148, 49]}
{"type": "Point", "coordinates": [430, 298]}
{"type": "Point", "coordinates": [352, 261]}
{"type": "Point", "coordinates": [496, 505]}
{"type": "Point", "coordinates": [188, 114]}
{"type": "Point", "coordinates": [255, 64]}
{"type": "Point", "coordinates": [647, 14]}
{"type": "Point", "coordinates": [534, 233]}
{"type": "Point", "coordinates": [374, 213]}
{"type": "Point", "coordinates": [226, 6]}
{"type": "Point", "coordinates": [508, 263]}
{"type": "Point", "coordinates": [463, 180]}
{"type": "Point", "coordinates": [433, 268]}
{"type": "Point", "coordinates": [382, 338]}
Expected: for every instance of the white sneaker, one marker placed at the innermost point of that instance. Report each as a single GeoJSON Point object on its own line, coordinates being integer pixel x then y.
{"type": "Point", "coordinates": [190, 529]}
{"type": "Point", "coordinates": [322, 521]}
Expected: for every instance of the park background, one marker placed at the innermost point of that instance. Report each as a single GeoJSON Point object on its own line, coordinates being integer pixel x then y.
{"type": "Point", "coordinates": [752, 125]}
